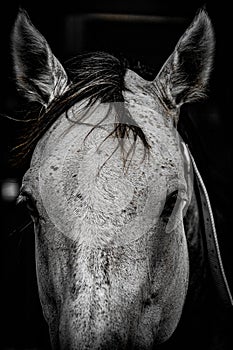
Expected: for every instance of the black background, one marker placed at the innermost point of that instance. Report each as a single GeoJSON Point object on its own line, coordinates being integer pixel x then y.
{"type": "Point", "coordinates": [209, 125]}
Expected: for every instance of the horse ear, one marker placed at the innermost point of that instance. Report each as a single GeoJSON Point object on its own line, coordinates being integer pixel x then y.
{"type": "Point", "coordinates": [39, 75]}
{"type": "Point", "coordinates": [185, 75]}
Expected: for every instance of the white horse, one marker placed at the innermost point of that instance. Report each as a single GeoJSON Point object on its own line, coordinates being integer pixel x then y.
{"type": "Point", "coordinates": [109, 184]}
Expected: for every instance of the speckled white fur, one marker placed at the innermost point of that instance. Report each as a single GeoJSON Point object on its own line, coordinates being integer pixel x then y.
{"type": "Point", "coordinates": [111, 274]}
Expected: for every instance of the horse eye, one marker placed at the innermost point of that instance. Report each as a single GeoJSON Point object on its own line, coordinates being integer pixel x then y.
{"type": "Point", "coordinates": [29, 202]}
{"type": "Point", "coordinates": [169, 205]}
{"type": "Point", "coordinates": [31, 207]}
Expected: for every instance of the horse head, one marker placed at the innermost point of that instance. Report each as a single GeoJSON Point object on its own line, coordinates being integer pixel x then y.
{"type": "Point", "coordinates": [108, 186]}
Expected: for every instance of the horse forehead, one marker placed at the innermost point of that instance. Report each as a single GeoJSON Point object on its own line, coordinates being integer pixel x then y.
{"type": "Point", "coordinates": [74, 129]}
{"type": "Point", "coordinates": [75, 140]}
{"type": "Point", "coordinates": [78, 172]}
{"type": "Point", "coordinates": [66, 160]}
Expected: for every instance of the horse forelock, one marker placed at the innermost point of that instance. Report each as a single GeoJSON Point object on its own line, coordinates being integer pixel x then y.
{"type": "Point", "coordinates": [93, 77]}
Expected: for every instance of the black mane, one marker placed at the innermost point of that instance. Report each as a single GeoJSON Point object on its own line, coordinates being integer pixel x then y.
{"type": "Point", "coordinates": [93, 76]}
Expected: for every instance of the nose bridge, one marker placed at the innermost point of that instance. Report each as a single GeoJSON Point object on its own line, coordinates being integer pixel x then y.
{"type": "Point", "coordinates": [96, 310]}
{"type": "Point", "coordinates": [90, 329]}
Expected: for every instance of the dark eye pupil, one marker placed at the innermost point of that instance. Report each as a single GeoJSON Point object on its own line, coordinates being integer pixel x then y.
{"type": "Point", "coordinates": [169, 206]}
{"type": "Point", "coordinates": [31, 206]}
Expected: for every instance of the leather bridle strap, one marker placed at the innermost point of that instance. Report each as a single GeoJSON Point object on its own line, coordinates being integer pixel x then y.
{"type": "Point", "coordinates": [214, 254]}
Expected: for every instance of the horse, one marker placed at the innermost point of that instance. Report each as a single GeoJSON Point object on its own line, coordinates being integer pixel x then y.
{"type": "Point", "coordinates": [110, 189]}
